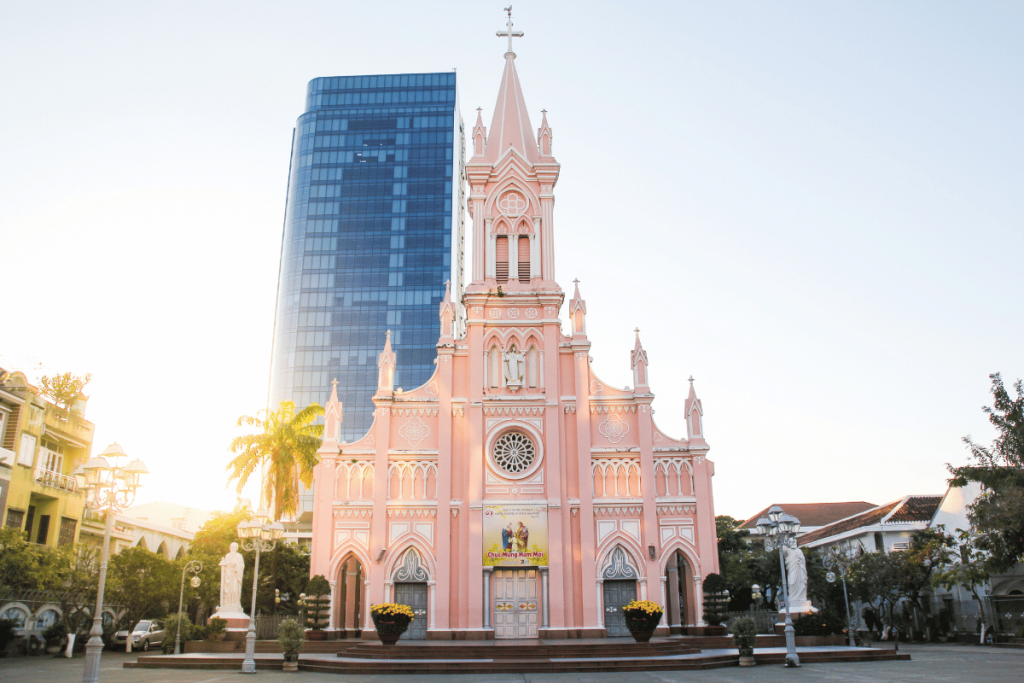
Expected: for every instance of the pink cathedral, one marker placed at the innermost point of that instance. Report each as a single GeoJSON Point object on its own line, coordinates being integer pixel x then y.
{"type": "Point", "coordinates": [515, 494]}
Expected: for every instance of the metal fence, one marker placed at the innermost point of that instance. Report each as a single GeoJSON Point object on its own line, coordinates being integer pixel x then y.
{"type": "Point", "coordinates": [765, 621]}
{"type": "Point", "coordinates": [267, 625]}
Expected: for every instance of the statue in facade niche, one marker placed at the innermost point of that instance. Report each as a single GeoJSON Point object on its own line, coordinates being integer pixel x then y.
{"type": "Point", "coordinates": [231, 569]}
{"type": "Point", "coordinates": [513, 365]}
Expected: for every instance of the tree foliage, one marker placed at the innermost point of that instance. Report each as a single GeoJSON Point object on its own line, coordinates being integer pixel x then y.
{"type": "Point", "coordinates": [887, 579]}
{"type": "Point", "coordinates": [142, 582]}
{"type": "Point", "coordinates": [219, 532]}
{"type": "Point", "coordinates": [997, 515]}
{"type": "Point", "coordinates": [25, 565]}
{"type": "Point", "coordinates": [65, 389]}
{"type": "Point", "coordinates": [285, 445]}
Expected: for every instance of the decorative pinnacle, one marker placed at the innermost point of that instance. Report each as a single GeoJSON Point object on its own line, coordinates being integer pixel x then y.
{"type": "Point", "coordinates": [334, 383]}
{"type": "Point", "coordinates": [576, 281]}
{"type": "Point", "coordinates": [691, 379]}
{"type": "Point", "coordinates": [637, 331]}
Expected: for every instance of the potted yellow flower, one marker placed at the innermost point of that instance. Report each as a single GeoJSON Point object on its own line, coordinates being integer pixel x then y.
{"type": "Point", "coordinates": [391, 621]}
{"type": "Point", "coordinates": [642, 617]}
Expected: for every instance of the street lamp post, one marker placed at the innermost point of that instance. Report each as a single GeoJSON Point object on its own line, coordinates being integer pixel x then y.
{"type": "Point", "coordinates": [109, 488]}
{"type": "Point", "coordinates": [195, 566]}
{"type": "Point", "coordinates": [778, 530]}
{"type": "Point", "coordinates": [260, 536]}
{"type": "Point", "coordinates": [840, 561]}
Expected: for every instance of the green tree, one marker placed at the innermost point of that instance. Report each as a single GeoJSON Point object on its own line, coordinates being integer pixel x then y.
{"type": "Point", "coordinates": [997, 515]}
{"type": "Point", "coordinates": [217, 534]}
{"type": "Point", "coordinates": [24, 565]}
{"type": "Point", "coordinates": [77, 569]}
{"type": "Point", "coordinates": [285, 447]}
{"type": "Point", "coordinates": [734, 554]}
{"type": "Point", "coordinates": [65, 389]}
{"type": "Point", "coordinates": [968, 569]}
{"type": "Point", "coordinates": [143, 583]}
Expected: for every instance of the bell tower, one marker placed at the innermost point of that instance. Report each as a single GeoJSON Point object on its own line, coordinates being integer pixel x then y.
{"type": "Point", "coordinates": [512, 175]}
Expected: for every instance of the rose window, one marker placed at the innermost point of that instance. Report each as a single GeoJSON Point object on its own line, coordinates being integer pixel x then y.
{"type": "Point", "coordinates": [514, 452]}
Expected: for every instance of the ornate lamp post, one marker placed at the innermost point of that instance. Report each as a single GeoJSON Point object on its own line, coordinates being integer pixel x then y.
{"type": "Point", "coordinates": [258, 535]}
{"type": "Point", "coordinates": [108, 488]}
{"type": "Point", "coordinates": [195, 566]}
{"type": "Point", "coordinates": [840, 561]}
{"type": "Point", "coordinates": [779, 530]}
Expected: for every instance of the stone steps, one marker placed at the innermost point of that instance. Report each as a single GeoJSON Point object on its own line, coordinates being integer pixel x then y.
{"type": "Point", "coordinates": [594, 657]}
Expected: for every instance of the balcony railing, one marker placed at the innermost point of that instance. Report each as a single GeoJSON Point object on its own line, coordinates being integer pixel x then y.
{"type": "Point", "coordinates": [55, 480]}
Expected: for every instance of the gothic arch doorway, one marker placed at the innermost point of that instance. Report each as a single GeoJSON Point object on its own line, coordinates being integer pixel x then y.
{"type": "Point", "coordinates": [679, 588]}
{"type": "Point", "coordinates": [410, 580]}
{"type": "Point", "coordinates": [619, 589]}
{"type": "Point", "coordinates": [349, 605]}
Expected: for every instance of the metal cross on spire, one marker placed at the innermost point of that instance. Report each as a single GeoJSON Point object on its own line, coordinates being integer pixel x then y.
{"type": "Point", "coordinates": [509, 32]}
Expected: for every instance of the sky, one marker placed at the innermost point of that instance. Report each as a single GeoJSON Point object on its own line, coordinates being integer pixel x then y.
{"type": "Point", "coordinates": [815, 209]}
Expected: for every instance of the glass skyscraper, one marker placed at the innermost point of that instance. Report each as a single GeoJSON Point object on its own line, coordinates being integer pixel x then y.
{"type": "Point", "coordinates": [374, 226]}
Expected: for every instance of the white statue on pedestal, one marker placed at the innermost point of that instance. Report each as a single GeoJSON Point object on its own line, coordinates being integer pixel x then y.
{"type": "Point", "coordinates": [796, 578]}
{"type": "Point", "coordinates": [514, 367]}
{"type": "Point", "coordinates": [231, 569]}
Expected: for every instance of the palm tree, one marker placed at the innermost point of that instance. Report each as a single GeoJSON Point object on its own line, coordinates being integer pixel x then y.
{"type": "Point", "coordinates": [286, 444]}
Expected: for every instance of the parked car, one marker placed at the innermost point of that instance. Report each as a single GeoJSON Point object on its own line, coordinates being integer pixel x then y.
{"type": "Point", "coordinates": [147, 633]}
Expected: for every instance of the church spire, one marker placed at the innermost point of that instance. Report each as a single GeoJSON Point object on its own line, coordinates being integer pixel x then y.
{"type": "Point", "coordinates": [332, 416]}
{"type": "Point", "coordinates": [578, 312]}
{"type": "Point", "coordinates": [510, 127]}
{"type": "Point", "coordinates": [386, 368]}
{"type": "Point", "coordinates": [638, 359]}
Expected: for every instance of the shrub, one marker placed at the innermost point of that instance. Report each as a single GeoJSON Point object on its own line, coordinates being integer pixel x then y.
{"type": "Point", "coordinates": [316, 604]}
{"type": "Point", "coordinates": [713, 587]}
{"type": "Point", "coordinates": [7, 627]}
{"type": "Point", "coordinates": [171, 630]}
{"type": "Point", "coordinates": [55, 635]}
{"type": "Point", "coordinates": [216, 627]}
{"type": "Point", "coordinates": [744, 634]}
{"type": "Point", "coordinates": [290, 635]}
{"type": "Point", "coordinates": [822, 624]}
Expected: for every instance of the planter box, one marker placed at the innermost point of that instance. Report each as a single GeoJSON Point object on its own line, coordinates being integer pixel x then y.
{"type": "Point", "coordinates": [316, 635]}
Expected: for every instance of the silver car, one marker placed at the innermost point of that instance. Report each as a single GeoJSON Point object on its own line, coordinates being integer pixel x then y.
{"type": "Point", "coordinates": [147, 633]}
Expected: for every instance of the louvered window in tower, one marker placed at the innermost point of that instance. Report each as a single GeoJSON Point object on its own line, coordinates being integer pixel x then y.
{"type": "Point", "coordinates": [501, 260]}
{"type": "Point", "coordinates": [524, 258]}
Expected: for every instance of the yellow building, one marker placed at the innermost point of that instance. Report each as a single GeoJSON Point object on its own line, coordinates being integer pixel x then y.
{"type": "Point", "coordinates": [40, 447]}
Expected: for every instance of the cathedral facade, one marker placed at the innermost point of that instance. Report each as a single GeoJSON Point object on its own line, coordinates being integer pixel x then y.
{"type": "Point", "coordinates": [515, 494]}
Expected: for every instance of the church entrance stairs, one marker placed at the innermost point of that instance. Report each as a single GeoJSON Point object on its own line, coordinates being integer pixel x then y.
{"type": "Point", "coordinates": [532, 656]}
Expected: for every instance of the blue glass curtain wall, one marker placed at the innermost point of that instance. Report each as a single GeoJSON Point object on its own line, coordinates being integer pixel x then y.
{"type": "Point", "coordinates": [367, 237]}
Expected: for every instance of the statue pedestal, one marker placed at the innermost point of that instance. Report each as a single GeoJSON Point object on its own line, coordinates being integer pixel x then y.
{"type": "Point", "coordinates": [796, 610]}
{"type": "Point", "coordinates": [236, 618]}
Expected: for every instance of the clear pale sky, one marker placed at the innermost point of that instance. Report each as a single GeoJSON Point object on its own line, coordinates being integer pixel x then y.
{"type": "Point", "coordinates": [813, 208]}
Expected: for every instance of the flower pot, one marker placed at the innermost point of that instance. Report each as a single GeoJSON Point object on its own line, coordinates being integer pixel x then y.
{"type": "Point", "coordinates": [642, 636]}
{"type": "Point", "coordinates": [291, 661]}
{"type": "Point", "coordinates": [53, 649]}
{"type": "Point", "coordinates": [747, 660]}
{"type": "Point", "coordinates": [316, 635]}
{"type": "Point", "coordinates": [389, 639]}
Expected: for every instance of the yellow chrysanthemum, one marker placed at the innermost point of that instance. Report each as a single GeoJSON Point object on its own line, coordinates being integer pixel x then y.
{"type": "Point", "coordinates": [391, 609]}
{"type": "Point", "coordinates": [645, 606]}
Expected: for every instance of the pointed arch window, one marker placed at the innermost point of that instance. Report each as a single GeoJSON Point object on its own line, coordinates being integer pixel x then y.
{"type": "Point", "coordinates": [494, 368]}
{"type": "Point", "coordinates": [501, 259]}
{"type": "Point", "coordinates": [532, 367]}
{"type": "Point", "coordinates": [524, 258]}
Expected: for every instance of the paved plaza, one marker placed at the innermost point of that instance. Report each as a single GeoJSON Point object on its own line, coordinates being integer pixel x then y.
{"type": "Point", "coordinates": [931, 663]}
